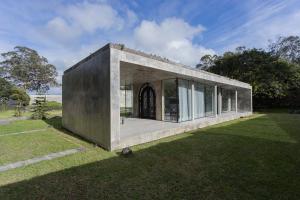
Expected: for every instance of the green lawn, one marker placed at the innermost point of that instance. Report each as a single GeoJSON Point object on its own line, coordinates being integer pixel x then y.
{"type": "Point", "coordinates": [22, 125]}
{"type": "Point", "coordinates": [30, 145]}
{"type": "Point", "coordinates": [10, 113]}
{"type": "Point", "coordinates": [249, 158]}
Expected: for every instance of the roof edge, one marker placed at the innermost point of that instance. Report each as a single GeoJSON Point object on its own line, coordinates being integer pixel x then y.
{"type": "Point", "coordinates": [122, 47]}
{"type": "Point", "coordinates": [105, 47]}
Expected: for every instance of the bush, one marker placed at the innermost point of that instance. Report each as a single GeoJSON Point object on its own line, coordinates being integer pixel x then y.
{"type": "Point", "coordinates": [20, 96]}
{"type": "Point", "coordinates": [39, 110]}
{"type": "Point", "coordinates": [53, 105]}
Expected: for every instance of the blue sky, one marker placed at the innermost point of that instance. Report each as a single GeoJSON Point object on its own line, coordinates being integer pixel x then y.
{"type": "Point", "coordinates": [67, 31]}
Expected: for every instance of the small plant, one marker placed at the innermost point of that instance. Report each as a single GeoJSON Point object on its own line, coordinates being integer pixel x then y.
{"type": "Point", "coordinates": [18, 110]}
{"type": "Point", "coordinates": [21, 100]}
{"type": "Point", "coordinates": [39, 108]}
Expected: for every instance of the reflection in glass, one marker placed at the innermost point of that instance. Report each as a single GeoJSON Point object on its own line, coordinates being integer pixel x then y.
{"type": "Point", "coordinates": [126, 101]}
{"type": "Point", "coordinates": [199, 100]}
{"type": "Point", "coordinates": [171, 101]}
{"type": "Point", "coordinates": [185, 100]}
{"type": "Point", "coordinates": [209, 100]}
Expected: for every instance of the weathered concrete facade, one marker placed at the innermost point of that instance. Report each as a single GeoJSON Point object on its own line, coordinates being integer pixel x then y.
{"type": "Point", "coordinates": [91, 96]}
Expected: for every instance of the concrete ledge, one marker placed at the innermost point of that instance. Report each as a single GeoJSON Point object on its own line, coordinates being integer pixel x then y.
{"type": "Point", "coordinates": [177, 129]}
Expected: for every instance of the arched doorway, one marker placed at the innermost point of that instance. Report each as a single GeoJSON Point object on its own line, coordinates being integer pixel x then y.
{"type": "Point", "coordinates": [147, 102]}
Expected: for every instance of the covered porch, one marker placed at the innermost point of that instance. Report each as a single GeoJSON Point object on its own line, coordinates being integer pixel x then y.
{"type": "Point", "coordinates": [136, 131]}
{"type": "Point", "coordinates": [155, 103]}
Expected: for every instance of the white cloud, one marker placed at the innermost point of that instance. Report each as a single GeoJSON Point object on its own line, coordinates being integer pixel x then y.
{"type": "Point", "coordinates": [78, 19]}
{"type": "Point", "coordinates": [58, 29]}
{"type": "Point", "coordinates": [265, 22]}
{"type": "Point", "coordinates": [172, 38]}
{"type": "Point", "coordinates": [92, 16]}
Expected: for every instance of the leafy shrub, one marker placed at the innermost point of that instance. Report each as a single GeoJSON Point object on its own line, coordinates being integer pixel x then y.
{"type": "Point", "coordinates": [39, 109]}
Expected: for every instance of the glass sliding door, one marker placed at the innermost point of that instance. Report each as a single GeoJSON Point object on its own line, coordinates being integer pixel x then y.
{"type": "Point", "coordinates": [228, 100]}
{"type": "Point", "coordinates": [225, 100]}
{"type": "Point", "coordinates": [126, 101]}
{"type": "Point", "coordinates": [199, 105]}
{"type": "Point", "coordinates": [209, 100]}
{"type": "Point", "coordinates": [233, 100]}
{"type": "Point", "coordinates": [185, 100]}
{"type": "Point", "coordinates": [171, 100]}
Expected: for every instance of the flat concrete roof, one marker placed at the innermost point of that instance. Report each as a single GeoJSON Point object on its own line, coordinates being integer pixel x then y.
{"type": "Point", "coordinates": [122, 47]}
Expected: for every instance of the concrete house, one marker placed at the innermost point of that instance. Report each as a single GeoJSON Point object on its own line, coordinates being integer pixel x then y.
{"type": "Point", "coordinates": [119, 97]}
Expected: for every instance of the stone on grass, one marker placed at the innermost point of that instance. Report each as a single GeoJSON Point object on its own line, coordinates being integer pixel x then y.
{"type": "Point", "coordinates": [126, 151]}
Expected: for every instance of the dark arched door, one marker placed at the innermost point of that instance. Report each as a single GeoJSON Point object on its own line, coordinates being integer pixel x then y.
{"type": "Point", "coordinates": [147, 102]}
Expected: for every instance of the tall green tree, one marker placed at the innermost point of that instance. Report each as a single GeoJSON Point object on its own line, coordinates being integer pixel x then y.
{"type": "Point", "coordinates": [287, 48]}
{"type": "Point", "coordinates": [27, 69]}
{"type": "Point", "coordinates": [5, 91]}
{"type": "Point", "coordinates": [272, 78]}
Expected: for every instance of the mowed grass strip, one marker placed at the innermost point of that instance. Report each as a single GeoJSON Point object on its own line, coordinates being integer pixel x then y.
{"type": "Point", "coordinates": [22, 125]}
{"type": "Point", "coordinates": [10, 113]}
{"type": "Point", "coordinates": [251, 158]}
{"type": "Point", "coordinates": [25, 146]}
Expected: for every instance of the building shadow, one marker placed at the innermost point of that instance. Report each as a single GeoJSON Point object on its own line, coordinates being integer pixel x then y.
{"type": "Point", "coordinates": [208, 164]}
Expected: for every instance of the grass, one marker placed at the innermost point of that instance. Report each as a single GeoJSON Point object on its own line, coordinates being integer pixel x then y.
{"type": "Point", "coordinates": [250, 158]}
{"type": "Point", "coordinates": [30, 145]}
{"type": "Point", "coordinates": [22, 125]}
{"type": "Point", "coordinates": [10, 113]}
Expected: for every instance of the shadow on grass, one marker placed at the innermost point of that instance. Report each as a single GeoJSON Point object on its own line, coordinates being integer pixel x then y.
{"type": "Point", "coordinates": [208, 164]}
{"type": "Point", "coordinates": [56, 122]}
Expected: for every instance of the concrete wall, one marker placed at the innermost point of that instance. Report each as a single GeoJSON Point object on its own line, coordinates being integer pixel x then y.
{"type": "Point", "coordinates": [86, 98]}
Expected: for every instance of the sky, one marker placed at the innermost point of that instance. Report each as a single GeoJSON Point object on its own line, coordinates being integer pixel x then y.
{"type": "Point", "coordinates": [67, 31]}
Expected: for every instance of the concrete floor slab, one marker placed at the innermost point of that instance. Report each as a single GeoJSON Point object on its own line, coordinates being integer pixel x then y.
{"type": "Point", "coordinates": [137, 131]}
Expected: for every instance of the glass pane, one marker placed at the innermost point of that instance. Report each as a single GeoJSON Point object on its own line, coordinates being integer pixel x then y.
{"type": "Point", "coordinates": [209, 100]}
{"type": "Point", "coordinates": [198, 100]}
{"type": "Point", "coordinates": [184, 95]}
{"type": "Point", "coordinates": [233, 102]}
{"type": "Point", "coordinates": [225, 101]}
{"type": "Point", "coordinates": [228, 100]}
{"type": "Point", "coordinates": [171, 101]}
{"type": "Point", "coordinates": [126, 102]}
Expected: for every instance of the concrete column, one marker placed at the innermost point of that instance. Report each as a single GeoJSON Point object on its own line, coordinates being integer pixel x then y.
{"type": "Point", "coordinates": [236, 101]}
{"type": "Point", "coordinates": [193, 101]}
{"type": "Point", "coordinates": [114, 98]}
{"type": "Point", "coordinates": [216, 101]}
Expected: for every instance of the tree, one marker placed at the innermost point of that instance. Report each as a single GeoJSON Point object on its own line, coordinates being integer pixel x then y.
{"type": "Point", "coordinates": [39, 108]}
{"type": "Point", "coordinates": [206, 62]}
{"type": "Point", "coordinates": [27, 69]}
{"type": "Point", "coordinates": [271, 78]}
{"type": "Point", "coordinates": [287, 48]}
{"type": "Point", "coordinates": [5, 91]}
{"type": "Point", "coordinates": [22, 99]}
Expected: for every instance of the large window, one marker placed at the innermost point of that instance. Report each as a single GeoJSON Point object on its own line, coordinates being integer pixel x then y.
{"type": "Point", "coordinates": [228, 100]}
{"type": "Point", "coordinates": [199, 107]}
{"type": "Point", "coordinates": [126, 101]}
{"type": "Point", "coordinates": [185, 100]}
{"type": "Point", "coordinates": [178, 100]}
{"type": "Point", "coordinates": [244, 100]}
{"type": "Point", "coordinates": [171, 100]}
{"type": "Point", "coordinates": [209, 100]}
{"type": "Point", "coordinates": [233, 100]}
